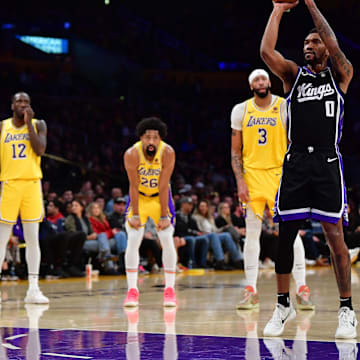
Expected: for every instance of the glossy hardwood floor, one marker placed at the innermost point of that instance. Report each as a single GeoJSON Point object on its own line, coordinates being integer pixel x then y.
{"type": "Point", "coordinates": [207, 307]}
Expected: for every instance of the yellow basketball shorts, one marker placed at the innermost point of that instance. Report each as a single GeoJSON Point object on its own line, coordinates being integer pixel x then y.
{"type": "Point", "coordinates": [263, 185]}
{"type": "Point", "coordinates": [22, 197]}
{"type": "Point", "coordinates": [150, 207]}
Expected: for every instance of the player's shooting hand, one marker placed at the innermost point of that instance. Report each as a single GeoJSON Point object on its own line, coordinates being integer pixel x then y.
{"type": "Point", "coordinates": [163, 224]}
{"type": "Point", "coordinates": [243, 192]}
{"type": "Point", "coordinates": [28, 114]}
{"type": "Point", "coordinates": [285, 6]}
{"type": "Point", "coordinates": [135, 222]}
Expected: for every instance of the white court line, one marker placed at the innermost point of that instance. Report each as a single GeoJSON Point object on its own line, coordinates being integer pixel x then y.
{"type": "Point", "coordinates": [15, 336]}
{"type": "Point", "coordinates": [10, 346]}
{"type": "Point", "coordinates": [67, 356]}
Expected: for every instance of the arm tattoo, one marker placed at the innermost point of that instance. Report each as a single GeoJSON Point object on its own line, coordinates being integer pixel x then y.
{"type": "Point", "coordinates": [327, 35]}
{"type": "Point", "coordinates": [341, 60]}
{"type": "Point", "coordinates": [237, 165]}
{"type": "Point", "coordinates": [322, 26]}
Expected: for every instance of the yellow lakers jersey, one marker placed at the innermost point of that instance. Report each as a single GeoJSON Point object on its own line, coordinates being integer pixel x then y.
{"type": "Point", "coordinates": [149, 172]}
{"type": "Point", "coordinates": [263, 133]}
{"type": "Point", "coordinates": [18, 159]}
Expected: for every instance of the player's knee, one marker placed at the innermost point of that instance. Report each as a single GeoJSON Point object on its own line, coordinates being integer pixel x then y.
{"type": "Point", "coordinates": [166, 233]}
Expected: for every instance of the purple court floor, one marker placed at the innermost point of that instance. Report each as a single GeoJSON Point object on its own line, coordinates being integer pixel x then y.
{"type": "Point", "coordinates": [33, 344]}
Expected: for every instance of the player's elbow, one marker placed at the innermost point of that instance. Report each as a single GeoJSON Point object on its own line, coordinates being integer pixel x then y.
{"type": "Point", "coordinates": [265, 54]}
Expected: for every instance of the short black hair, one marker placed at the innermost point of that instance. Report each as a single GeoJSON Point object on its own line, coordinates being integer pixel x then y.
{"type": "Point", "coordinates": [313, 31]}
{"type": "Point", "coordinates": [151, 123]}
{"type": "Point", "coordinates": [56, 203]}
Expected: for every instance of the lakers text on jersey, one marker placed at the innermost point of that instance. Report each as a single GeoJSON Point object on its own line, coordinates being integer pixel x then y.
{"type": "Point", "coordinates": [149, 176]}
{"type": "Point", "coordinates": [264, 146]}
{"type": "Point", "coordinates": [18, 159]}
{"type": "Point", "coordinates": [20, 176]}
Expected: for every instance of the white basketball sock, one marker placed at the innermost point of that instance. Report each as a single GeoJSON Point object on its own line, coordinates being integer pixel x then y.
{"type": "Point", "coordinates": [252, 247]}
{"type": "Point", "coordinates": [5, 232]}
{"type": "Point", "coordinates": [32, 253]}
{"type": "Point", "coordinates": [132, 255]}
{"type": "Point", "coordinates": [169, 255]}
{"type": "Point", "coordinates": [299, 268]}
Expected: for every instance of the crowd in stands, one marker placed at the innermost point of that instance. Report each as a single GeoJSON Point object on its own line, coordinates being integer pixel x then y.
{"type": "Point", "coordinates": [89, 227]}
{"type": "Point", "coordinates": [88, 130]}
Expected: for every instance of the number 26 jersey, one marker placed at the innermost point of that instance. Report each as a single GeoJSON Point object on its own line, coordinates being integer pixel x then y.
{"type": "Point", "coordinates": [149, 172]}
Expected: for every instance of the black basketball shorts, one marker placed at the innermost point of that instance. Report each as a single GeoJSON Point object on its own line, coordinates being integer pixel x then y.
{"type": "Point", "coordinates": [311, 186]}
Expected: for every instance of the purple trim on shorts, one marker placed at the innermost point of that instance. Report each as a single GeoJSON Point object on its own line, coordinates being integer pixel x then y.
{"type": "Point", "coordinates": [328, 219]}
{"type": "Point", "coordinates": [127, 207]}
{"type": "Point", "coordinates": [291, 217]}
{"type": "Point", "coordinates": [171, 207]}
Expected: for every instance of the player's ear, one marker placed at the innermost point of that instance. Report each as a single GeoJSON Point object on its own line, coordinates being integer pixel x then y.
{"type": "Point", "coordinates": [12, 106]}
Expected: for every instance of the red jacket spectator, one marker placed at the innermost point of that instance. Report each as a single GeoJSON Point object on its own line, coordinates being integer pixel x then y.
{"type": "Point", "coordinates": [101, 227]}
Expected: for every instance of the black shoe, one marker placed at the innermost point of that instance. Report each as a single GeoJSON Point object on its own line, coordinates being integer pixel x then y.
{"type": "Point", "coordinates": [75, 272]}
{"type": "Point", "coordinates": [220, 265]}
{"type": "Point", "coordinates": [239, 264]}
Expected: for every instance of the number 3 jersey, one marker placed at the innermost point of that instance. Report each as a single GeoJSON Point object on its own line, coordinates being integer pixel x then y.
{"type": "Point", "coordinates": [263, 133]}
{"type": "Point", "coordinates": [18, 159]}
{"type": "Point", "coordinates": [316, 110]}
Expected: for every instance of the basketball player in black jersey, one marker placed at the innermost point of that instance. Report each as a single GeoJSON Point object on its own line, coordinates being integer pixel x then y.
{"type": "Point", "coordinates": [312, 184]}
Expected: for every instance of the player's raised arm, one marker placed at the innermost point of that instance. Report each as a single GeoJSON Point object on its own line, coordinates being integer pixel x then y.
{"type": "Point", "coordinates": [342, 66]}
{"type": "Point", "coordinates": [168, 164]}
{"type": "Point", "coordinates": [285, 69]}
{"type": "Point", "coordinates": [131, 161]}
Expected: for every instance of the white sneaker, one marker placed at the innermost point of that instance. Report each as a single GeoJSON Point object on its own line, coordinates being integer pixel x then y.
{"type": "Point", "coordinates": [281, 316]}
{"type": "Point", "coordinates": [347, 349]}
{"type": "Point", "coordinates": [354, 254]}
{"type": "Point", "coordinates": [35, 296]}
{"type": "Point", "coordinates": [276, 348]}
{"type": "Point", "coordinates": [347, 324]}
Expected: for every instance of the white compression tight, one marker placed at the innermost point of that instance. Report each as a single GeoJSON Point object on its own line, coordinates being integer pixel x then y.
{"type": "Point", "coordinates": [33, 256]}
{"type": "Point", "coordinates": [169, 256]}
{"type": "Point", "coordinates": [252, 252]}
{"type": "Point", "coordinates": [132, 254]}
{"type": "Point", "coordinates": [252, 247]}
{"type": "Point", "coordinates": [299, 269]}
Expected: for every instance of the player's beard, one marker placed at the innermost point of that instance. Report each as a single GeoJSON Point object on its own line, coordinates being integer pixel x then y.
{"type": "Point", "coordinates": [311, 62]}
{"type": "Point", "coordinates": [262, 95]}
{"type": "Point", "coordinates": [151, 153]}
